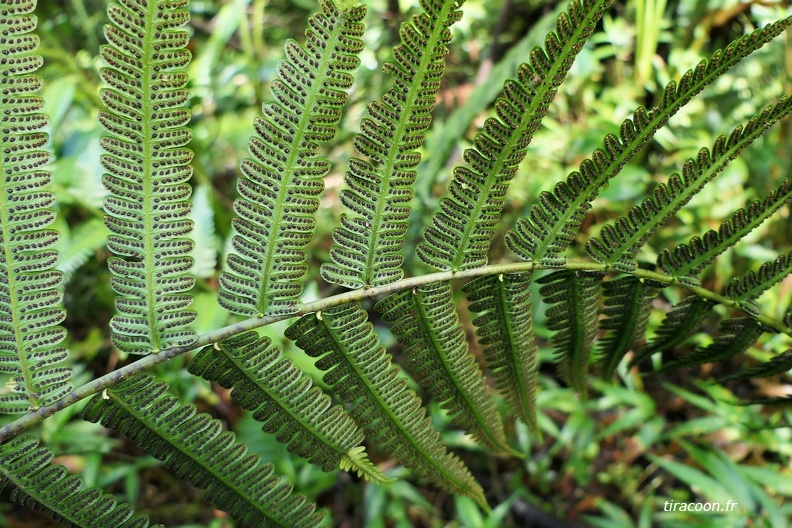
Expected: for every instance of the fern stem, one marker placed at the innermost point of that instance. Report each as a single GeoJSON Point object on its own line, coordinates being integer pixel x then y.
{"type": "Point", "coordinates": [24, 423]}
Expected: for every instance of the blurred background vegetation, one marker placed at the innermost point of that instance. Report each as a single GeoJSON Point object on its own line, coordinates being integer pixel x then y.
{"type": "Point", "coordinates": [611, 461]}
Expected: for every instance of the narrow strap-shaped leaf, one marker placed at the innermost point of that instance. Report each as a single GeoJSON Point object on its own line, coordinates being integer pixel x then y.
{"type": "Point", "coordinates": [31, 298]}
{"type": "Point", "coordinates": [367, 245]}
{"type": "Point", "coordinates": [460, 234]}
{"type": "Point", "coordinates": [280, 396]}
{"type": "Point", "coordinates": [39, 485]}
{"type": "Point", "coordinates": [280, 184]}
{"type": "Point", "coordinates": [736, 336]}
{"type": "Point", "coordinates": [504, 326]}
{"type": "Point", "coordinates": [552, 224]}
{"type": "Point", "coordinates": [628, 304]}
{"type": "Point", "coordinates": [361, 373]}
{"type": "Point", "coordinates": [195, 448]}
{"type": "Point", "coordinates": [684, 318]}
{"type": "Point", "coordinates": [778, 365]}
{"type": "Point", "coordinates": [426, 323]}
{"type": "Point", "coordinates": [573, 316]}
{"type": "Point", "coordinates": [147, 169]}
{"type": "Point", "coordinates": [622, 239]}
{"type": "Point", "coordinates": [686, 261]}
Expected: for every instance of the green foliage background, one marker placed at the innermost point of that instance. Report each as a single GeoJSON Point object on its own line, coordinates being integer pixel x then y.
{"type": "Point", "coordinates": [609, 461]}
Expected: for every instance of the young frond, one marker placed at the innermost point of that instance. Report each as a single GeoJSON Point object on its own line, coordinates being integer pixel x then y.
{"type": "Point", "coordinates": [367, 245]}
{"type": "Point", "coordinates": [686, 261]}
{"type": "Point", "coordinates": [504, 326]}
{"type": "Point", "coordinates": [361, 373]}
{"type": "Point", "coordinates": [280, 184]}
{"type": "Point", "coordinates": [280, 396]}
{"type": "Point", "coordinates": [31, 292]}
{"type": "Point", "coordinates": [40, 485]}
{"type": "Point", "coordinates": [628, 304]}
{"type": "Point", "coordinates": [426, 323]}
{"type": "Point", "coordinates": [621, 240]}
{"type": "Point", "coordinates": [573, 316]}
{"type": "Point", "coordinates": [553, 222]}
{"type": "Point", "coordinates": [147, 169]}
{"type": "Point", "coordinates": [195, 448]}
{"type": "Point", "coordinates": [460, 234]}
{"type": "Point", "coordinates": [358, 461]}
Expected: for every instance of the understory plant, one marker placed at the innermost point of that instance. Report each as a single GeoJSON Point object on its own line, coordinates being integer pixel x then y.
{"type": "Point", "coordinates": [592, 299]}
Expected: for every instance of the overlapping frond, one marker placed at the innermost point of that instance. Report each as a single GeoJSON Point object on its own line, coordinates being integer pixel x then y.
{"type": "Point", "coordinates": [40, 485]}
{"type": "Point", "coordinates": [686, 261]}
{"type": "Point", "coordinates": [426, 323]}
{"type": "Point", "coordinates": [735, 337]}
{"type": "Point", "coordinates": [195, 447]}
{"type": "Point", "coordinates": [461, 231]}
{"type": "Point", "coordinates": [367, 245]}
{"type": "Point", "coordinates": [620, 241]}
{"type": "Point", "coordinates": [147, 169]}
{"type": "Point", "coordinates": [504, 326]}
{"type": "Point", "coordinates": [281, 183]}
{"type": "Point", "coordinates": [752, 285]}
{"type": "Point", "coordinates": [680, 322]}
{"type": "Point", "coordinates": [572, 314]}
{"type": "Point", "coordinates": [628, 304]}
{"type": "Point", "coordinates": [280, 396]}
{"type": "Point", "coordinates": [552, 223]}
{"type": "Point", "coordinates": [31, 298]}
{"type": "Point", "coordinates": [361, 373]}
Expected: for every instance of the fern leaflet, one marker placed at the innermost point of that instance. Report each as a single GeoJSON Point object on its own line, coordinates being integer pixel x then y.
{"type": "Point", "coordinates": [39, 485]}
{"type": "Point", "coordinates": [462, 230]}
{"type": "Point", "coordinates": [360, 372]}
{"type": "Point", "coordinates": [504, 328]}
{"type": "Point", "coordinates": [367, 245]}
{"type": "Point", "coordinates": [573, 315]}
{"type": "Point", "coordinates": [280, 396]}
{"type": "Point", "coordinates": [552, 224]}
{"type": "Point", "coordinates": [147, 170]}
{"type": "Point", "coordinates": [195, 448]}
{"type": "Point", "coordinates": [31, 297]}
{"type": "Point", "coordinates": [628, 304]}
{"type": "Point", "coordinates": [736, 336]}
{"type": "Point", "coordinates": [688, 260]}
{"type": "Point", "coordinates": [426, 323]}
{"type": "Point", "coordinates": [280, 185]}
{"type": "Point", "coordinates": [778, 365]}
{"type": "Point", "coordinates": [622, 240]}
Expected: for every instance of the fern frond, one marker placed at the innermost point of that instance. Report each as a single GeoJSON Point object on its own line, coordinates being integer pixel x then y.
{"type": "Point", "coordinates": [621, 240]}
{"type": "Point", "coordinates": [551, 224]}
{"type": "Point", "coordinates": [461, 231]}
{"type": "Point", "coordinates": [38, 485]}
{"type": "Point", "coordinates": [680, 322]}
{"type": "Point", "coordinates": [31, 298]}
{"type": "Point", "coordinates": [280, 396]}
{"type": "Point", "coordinates": [147, 170]}
{"type": "Point", "coordinates": [426, 323]}
{"type": "Point", "coordinates": [504, 328]}
{"type": "Point", "coordinates": [573, 316]}
{"type": "Point", "coordinates": [195, 448]}
{"type": "Point", "coordinates": [628, 304]}
{"type": "Point", "coordinates": [736, 336]}
{"type": "Point", "coordinates": [686, 261]}
{"type": "Point", "coordinates": [84, 240]}
{"type": "Point", "coordinates": [367, 245]}
{"type": "Point", "coordinates": [778, 365]}
{"type": "Point", "coordinates": [360, 372]}
{"type": "Point", "coordinates": [280, 184]}
{"type": "Point", "coordinates": [357, 460]}
{"type": "Point", "coordinates": [751, 286]}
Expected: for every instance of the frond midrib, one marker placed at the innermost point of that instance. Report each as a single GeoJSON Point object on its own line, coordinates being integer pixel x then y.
{"type": "Point", "coordinates": [339, 343]}
{"type": "Point", "coordinates": [537, 102]}
{"type": "Point", "coordinates": [197, 460]}
{"type": "Point", "coordinates": [270, 250]}
{"type": "Point", "coordinates": [394, 148]}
